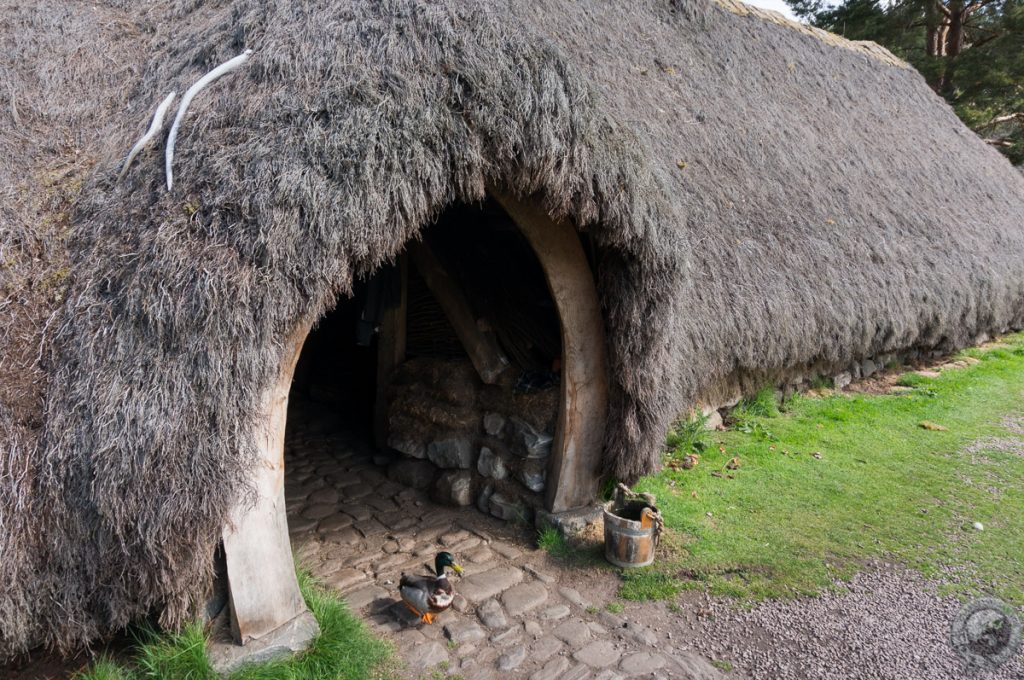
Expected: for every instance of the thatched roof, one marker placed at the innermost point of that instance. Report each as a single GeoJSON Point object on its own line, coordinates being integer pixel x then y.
{"type": "Point", "coordinates": [761, 199]}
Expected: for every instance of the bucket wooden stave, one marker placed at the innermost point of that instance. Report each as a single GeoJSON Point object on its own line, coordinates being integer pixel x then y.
{"type": "Point", "coordinates": [630, 542]}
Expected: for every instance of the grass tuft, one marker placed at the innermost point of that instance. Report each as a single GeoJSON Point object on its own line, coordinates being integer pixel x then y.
{"type": "Point", "coordinates": [173, 655]}
{"type": "Point", "coordinates": [647, 583]}
{"type": "Point", "coordinates": [344, 650]}
{"type": "Point", "coordinates": [689, 436]}
{"type": "Point", "coordinates": [822, 382]}
{"type": "Point", "coordinates": [553, 542]}
{"type": "Point", "coordinates": [103, 669]}
{"type": "Point", "coordinates": [760, 405]}
{"type": "Point", "coordinates": [912, 380]}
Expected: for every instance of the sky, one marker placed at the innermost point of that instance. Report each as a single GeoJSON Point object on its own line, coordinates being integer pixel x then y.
{"type": "Point", "coordinates": [777, 5]}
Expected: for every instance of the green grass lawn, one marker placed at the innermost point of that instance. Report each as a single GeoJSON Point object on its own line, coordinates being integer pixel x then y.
{"type": "Point", "coordinates": [830, 482]}
{"type": "Point", "coordinates": [344, 650]}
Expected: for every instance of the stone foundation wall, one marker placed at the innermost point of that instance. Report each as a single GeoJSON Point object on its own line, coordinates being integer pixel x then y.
{"type": "Point", "coordinates": [729, 392]}
{"type": "Point", "coordinates": [468, 443]}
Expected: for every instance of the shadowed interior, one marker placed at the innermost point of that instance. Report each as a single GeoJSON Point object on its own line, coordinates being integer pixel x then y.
{"type": "Point", "coordinates": [483, 252]}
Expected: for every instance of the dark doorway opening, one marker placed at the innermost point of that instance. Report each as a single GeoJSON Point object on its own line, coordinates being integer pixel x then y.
{"type": "Point", "coordinates": [336, 372]}
{"type": "Point", "coordinates": [446, 356]}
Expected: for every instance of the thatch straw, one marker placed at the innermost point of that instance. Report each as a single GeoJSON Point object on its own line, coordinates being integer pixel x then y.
{"type": "Point", "coordinates": [760, 200]}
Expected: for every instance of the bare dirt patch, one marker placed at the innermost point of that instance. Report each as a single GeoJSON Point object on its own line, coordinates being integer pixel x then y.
{"type": "Point", "coordinates": [1008, 445]}
{"type": "Point", "coordinates": [1014, 424]}
{"type": "Point", "coordinates": [880, 383]}
{"type": "Point", "coordinates": [886, 380]}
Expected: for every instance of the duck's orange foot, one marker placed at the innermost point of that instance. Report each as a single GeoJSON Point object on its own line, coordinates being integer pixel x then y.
{"type": "Point", "coordinates": [427, 618]}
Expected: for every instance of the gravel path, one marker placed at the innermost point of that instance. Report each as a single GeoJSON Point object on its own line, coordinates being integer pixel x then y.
{"type": "Point", "coordinates": [890, 623]}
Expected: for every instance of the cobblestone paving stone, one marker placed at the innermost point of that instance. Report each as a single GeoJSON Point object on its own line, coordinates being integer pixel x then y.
{"type": "Point", "coordinates": [517, 614]}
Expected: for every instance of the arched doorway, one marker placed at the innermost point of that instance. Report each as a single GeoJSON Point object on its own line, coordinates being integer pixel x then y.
{"type": "Point", "coordinates": [469, 286]}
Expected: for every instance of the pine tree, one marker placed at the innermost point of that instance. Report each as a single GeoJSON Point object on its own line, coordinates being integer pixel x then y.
{"type": "Point", "coordinates": [970, 51]}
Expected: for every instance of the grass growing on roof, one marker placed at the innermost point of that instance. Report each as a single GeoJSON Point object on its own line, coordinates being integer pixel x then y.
{"type": "Point", "coordinates": [344, 650]}
{"type": "Point", "coordinates": [833, 481]}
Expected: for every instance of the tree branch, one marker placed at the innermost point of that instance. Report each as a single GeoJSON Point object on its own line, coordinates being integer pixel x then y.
{"type": "Point", "coordinates": [999, 120]}
{"type": "Point", "coordinates": [988, 39]}
{"type": "Point", "coordinates": [223, 69]}
{"type": "Point", "coordinates": [144, 140]}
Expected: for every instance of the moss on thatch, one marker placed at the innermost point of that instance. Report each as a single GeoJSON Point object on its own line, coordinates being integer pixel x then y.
{"type": "Point", "coordinates": [759, 199]}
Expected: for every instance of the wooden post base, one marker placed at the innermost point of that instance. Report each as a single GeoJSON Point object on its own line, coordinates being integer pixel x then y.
{"type": "Point", "coordinates": [264, 593]}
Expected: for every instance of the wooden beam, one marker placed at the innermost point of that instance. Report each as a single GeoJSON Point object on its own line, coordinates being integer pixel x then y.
{"type": "Point", "coordinates": [264, 593]}
{"type": "Point", "coordinates": [478, 341]}
{"type": "Point", "coordinates": [390, 344]}
{"type": "Point", "coordinates": [574, 470]}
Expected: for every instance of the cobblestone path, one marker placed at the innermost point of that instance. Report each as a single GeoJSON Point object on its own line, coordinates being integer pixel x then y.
{"type": "Point", "coordinates": [517, 614]}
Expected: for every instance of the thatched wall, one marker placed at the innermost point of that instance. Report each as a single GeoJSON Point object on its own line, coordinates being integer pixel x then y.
{"type": "Point", "coordinates": [760, 200]}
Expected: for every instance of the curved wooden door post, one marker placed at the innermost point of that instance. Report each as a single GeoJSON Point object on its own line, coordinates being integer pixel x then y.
{"type": "Point", "coordinates": [264, 593]}
{"type": "Point", "coordinates": [575, 466]}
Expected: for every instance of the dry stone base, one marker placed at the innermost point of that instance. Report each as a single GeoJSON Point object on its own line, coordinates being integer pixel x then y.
{"type": "Point", "coordinates": [517, 614]}
{"type": "Point", "coordinates": [226, 657]}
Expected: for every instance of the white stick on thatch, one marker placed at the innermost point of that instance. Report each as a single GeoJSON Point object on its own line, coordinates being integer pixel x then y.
{"type": "Point", "coordinates": [226, 67]}
{"type": "Point", "coordinates": [156, 126]}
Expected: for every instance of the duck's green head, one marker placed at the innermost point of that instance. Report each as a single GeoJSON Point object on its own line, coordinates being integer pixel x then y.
{"type": "Point", "coordinates": [445, 559]}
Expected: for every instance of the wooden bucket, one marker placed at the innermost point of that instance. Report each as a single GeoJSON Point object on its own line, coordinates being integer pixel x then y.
{"type": "Point", "coordinates": [630, 533]}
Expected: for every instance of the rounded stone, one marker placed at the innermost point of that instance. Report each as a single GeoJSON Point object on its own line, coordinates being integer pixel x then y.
{"type": "Point", "coordinates": [598, 654]}
{"type": "Point", "coordinates": [524, 597]}
{"type": "Point", "coordinates": [512, 658]}
{"type": "Point", "coordinates": [490, 464]}
{"type": "Point", "coordinates": [642, 663]}
{"type": "Point", "coordinates": [573, 633]}
{"type": "Point", "coordinates": [492, 615]}
{"type": "Point", "coordinates": [334, 523]}
{"type": "Point", "coordinates": [559, 611]}
{"type": "Point", "coordinates": [464, 631]}
{"type": "Point", "coordinates": [426, 655]}
{"type": "Point", "coordinates": [451, 453]}
{"type": "Point", "coordinates": [318, 511]}
{"type": "Point", "coordinates": [327, 495]}
{"type": "Point", "coordinates": [494, 423]}
{"type": "Point", "coordinates": [545, 648]}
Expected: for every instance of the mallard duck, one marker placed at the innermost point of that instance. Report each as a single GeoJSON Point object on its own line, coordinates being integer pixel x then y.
{"type": "Point", "coordinates": [429, 595]}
